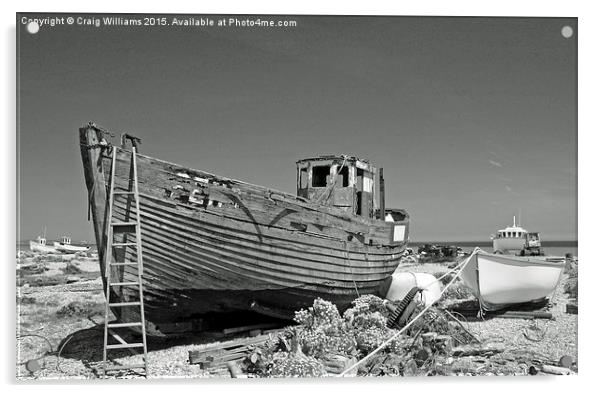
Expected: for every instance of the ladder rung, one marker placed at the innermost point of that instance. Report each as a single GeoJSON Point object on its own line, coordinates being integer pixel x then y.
{"type": "Point", "coordinates": [124, 264]}
{"type": "Point", "coordinates": [124, 223]}
{"type": "Point", "coordinates": [124, 367]}
{"type": "Point", "coordinates": [124, 304]}
{"type": "Point", "coordinates": [129, 345]}
{"type": "Point", "coordinates": [124, 324]}
{"type": "Point", "coordinates": [123, 192]}
{"type": "Point", "coordinates": [124, 244]}
{"type": "Point", "coordinates": [124, 284]}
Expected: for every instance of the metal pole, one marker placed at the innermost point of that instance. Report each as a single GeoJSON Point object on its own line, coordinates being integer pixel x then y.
{"type": "Point", "coordinates": [382, 193]}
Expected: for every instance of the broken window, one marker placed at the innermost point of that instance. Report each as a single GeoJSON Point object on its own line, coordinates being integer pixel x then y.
{"type": "Point", "coordinates": [320, 175]}
{"type": "Point", "coordinates": [343, 176]}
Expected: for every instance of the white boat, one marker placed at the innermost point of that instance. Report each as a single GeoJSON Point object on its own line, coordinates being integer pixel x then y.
{"type": "Point", "coordinates": [65, 246]}
{"type": "Point", "coordinates": [39, 245]}
{"type": "Point", "coordinates": [499, 281]}
{"type": "Point", "coordinates": [516, 240]}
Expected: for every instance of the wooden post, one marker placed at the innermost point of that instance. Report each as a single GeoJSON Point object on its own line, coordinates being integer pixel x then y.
{"type": "Point", "coordinates": [381, 179]}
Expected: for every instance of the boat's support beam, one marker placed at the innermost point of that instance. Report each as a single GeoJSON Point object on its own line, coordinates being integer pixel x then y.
{"type": "Point", "coordinates": [381, 179]}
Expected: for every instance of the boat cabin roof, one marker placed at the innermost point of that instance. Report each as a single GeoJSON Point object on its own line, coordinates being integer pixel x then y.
{"type": "Point", "coordinates": [334, 157]}
{"type": "Point", "coordinates": [512, 229]}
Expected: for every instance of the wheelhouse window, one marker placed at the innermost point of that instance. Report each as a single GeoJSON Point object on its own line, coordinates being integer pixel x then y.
{"type": "Point", "coordinates": [303, 178]}
{"type": "Point", "coordinates": [320, 175]}
{"type": "Point", "coordinates": [342, 176]}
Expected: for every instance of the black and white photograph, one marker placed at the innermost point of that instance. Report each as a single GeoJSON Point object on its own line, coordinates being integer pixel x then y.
{"type": "Point", "coordinates": [260, 196]}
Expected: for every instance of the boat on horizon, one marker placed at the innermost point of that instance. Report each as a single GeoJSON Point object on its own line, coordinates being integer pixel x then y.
{"type": "Point", "coordinates": [64, 245]}
{"type": "Point", "coordinates": [516, 239]}
{"type": "Point", "coordinates": [499, 281]}
{"type": "Point", "coordinates": [217, 245]}
{"type": "Point", "coordinates": [39, 245]}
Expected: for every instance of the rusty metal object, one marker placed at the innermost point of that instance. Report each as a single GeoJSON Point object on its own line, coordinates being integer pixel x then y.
{"type": "Point", "coordinates": [398, 317]}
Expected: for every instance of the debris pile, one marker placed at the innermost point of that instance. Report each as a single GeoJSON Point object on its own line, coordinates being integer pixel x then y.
{"type": "Point", "coordinates": [326, 343]}
{"type": "Point", "coordinates": [434, 253]}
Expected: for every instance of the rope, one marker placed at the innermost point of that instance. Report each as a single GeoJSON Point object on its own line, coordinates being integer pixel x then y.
{"type": "Point", "coordinates": [393, 337]}
{"type": "Point", "coordinates": [334, 181]}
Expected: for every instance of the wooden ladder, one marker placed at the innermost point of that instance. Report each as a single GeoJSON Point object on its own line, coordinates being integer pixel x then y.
{"type": "Point", "coordinates": [124, 227]}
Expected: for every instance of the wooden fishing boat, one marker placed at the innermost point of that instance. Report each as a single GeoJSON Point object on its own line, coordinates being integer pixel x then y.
{"type": "Point", "coordinates": [499, 281]}
{"type": "Point", "coordinates": [215, 245]}
{"type": "Point", "coordinates": [64, 245]}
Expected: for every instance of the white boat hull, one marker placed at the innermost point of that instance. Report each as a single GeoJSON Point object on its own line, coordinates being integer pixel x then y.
{"type": "Point", "coordinates": [501, 280]}
{"type": "Point", "coordinates": [68, 248]}
{"type": "Point", "coordinates": [43, 248]}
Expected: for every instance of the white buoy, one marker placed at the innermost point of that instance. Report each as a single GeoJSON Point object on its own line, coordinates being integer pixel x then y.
{"type": "Point", "coordinates": [403, 282]}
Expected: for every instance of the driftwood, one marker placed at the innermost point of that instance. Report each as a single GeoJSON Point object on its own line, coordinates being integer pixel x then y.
{"type": "Point", "coordinates": [219, 354]}
{"type": "Point", "coordinates": [555, 370]}
{"type": "Point", "coordinates": [478, 349]}
{"type": "Point", "coordinates": [548, 369]}
{"type": "Point", "coordinates": [198, 355]}
{"type": "Point", "coordinates": [523, 314]}
{"type": "Point", "coordinates": [248, 328]}
{"type": "Point", "coordinates": [336, 364]}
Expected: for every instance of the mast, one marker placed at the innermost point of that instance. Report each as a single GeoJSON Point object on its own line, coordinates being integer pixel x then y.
{"type": "Point", "coordinates": [381, 179]}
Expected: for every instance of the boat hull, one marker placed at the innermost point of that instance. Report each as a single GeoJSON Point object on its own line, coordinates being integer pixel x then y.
{"type": "Point", "coordinates": [215, 245]}
{"type": "Point", "coordinates": [69, 249]}
{"type": "Point", "coordinates": [37, 247]}
{"type": "Point", "coordinates": [499, 281]}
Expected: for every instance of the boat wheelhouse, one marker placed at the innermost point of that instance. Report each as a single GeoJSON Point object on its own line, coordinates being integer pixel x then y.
{"type": "Point", "coordinates": [515, 239]}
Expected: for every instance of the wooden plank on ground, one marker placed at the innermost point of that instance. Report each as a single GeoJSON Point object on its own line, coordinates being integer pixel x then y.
{"type": "Point", "coordinates": [233, 346]}
{"type": "Point", "coordinates": [247, 328]}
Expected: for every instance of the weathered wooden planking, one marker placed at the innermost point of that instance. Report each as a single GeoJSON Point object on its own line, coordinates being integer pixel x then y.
{"type": "Point", "coordinates": [285, 239]}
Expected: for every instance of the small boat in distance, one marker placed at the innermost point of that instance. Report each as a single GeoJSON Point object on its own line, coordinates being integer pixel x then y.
{"type": "Point", "coordinates": [499, 281]}
{"type": "Point", "coordinates": [65, 246]}
{"type": "Point", "coordinates": [39, 245]}
{"type": "Point", "coordinates": [516, 240]}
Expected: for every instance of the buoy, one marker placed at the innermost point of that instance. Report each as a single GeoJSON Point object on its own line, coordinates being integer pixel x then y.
{"type": "Point", "coordinates": [403, 282]}
{"type": "Point", "coordinates": [566, 361]}
{"type": "Point", "coordinates": [32, 366]}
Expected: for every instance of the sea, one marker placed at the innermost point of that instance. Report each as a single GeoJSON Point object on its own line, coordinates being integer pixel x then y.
{"type": "Point", "coordinates": [550, 248]}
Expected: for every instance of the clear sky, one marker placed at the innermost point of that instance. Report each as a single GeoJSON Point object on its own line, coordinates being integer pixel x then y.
{"type": "Point", "coordinates": [473, 119]}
